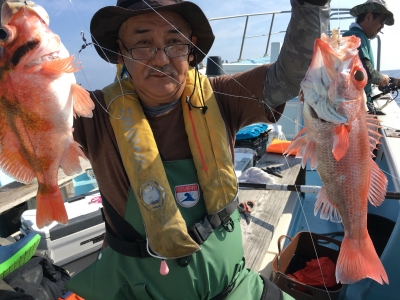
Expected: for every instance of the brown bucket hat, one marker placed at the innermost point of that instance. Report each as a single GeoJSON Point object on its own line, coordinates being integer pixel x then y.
{"type": "Point", "coordinates": [106, 22]}
{"type": "Point", "coordinates": [374, 6]}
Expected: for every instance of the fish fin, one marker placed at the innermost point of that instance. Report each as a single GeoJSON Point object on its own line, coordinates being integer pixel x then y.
{"type": "Point", "coordinates": [340, 142]}
{"type": "Point", "coordinates": [374, 135]}
{"type": "Point", "coordinates": [377, 186]}
{"type": "Point", "coordinates": [354, 265]}
{"type": "Point", "coordinates": [308, 152]}
{"type": "Point", "coordinates": [83, 104]}
{"type": "Point", "coordinates": [305, 149]}
{"type": "Point", "coordinates": [60, 65]}
{"type": "Point", "coordinates": [299, 134]}
{"type": "Point", "coordinates": [11, 160]}
{"type": "Point", "coordinates": [328, 208]}
{"type": "Point", "coordinates": [50, 207]}
{"type": "Point", "coordinates": [296, 145]}
{"type": "Point", "coordinates": [70, 160]}
{"type": "Point", "coordinates": [372, 145]}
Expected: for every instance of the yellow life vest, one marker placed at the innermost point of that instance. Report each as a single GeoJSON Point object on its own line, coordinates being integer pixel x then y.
{"type": "Point", "coordinates": [166, 230]}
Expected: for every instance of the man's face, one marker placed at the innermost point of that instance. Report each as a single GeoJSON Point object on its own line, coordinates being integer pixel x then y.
{"type": "Point", "coordinates": [373, 26]}
{"type": "Point", "coordinates": [150, 30]}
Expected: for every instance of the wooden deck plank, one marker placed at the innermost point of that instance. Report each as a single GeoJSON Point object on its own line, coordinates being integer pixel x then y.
{"type": "Point", "coordinates": [16, 193]}
{"type": "Point", "coordinates": [269, 207]}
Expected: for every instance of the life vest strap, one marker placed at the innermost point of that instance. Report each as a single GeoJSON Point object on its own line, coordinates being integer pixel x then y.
{"type": "Point", "coordinates": [131, 243]}
{"type": "Point", "coordinates": [200, 231]}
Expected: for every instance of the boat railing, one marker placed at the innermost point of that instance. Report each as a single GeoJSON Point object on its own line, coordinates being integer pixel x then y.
{"type": "Point", "coordinates": [247, 16]}
{"type": "Point", "coordinates": [338, 14]}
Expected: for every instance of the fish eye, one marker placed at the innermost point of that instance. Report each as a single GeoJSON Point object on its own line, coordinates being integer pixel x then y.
{"type": "Point", "coordinates": [3, 34]}
{"type": "Point", "coordinates": [359, 75]}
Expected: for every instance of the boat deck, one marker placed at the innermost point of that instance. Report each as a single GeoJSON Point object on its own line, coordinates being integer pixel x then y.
{"type": "Point", "coordinates": [260, 234]}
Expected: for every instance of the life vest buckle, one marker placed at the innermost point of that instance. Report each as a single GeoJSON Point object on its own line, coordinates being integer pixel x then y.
{"type": "Point", "coordinates": [229, 225]}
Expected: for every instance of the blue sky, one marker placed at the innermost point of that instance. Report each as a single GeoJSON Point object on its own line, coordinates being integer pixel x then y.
{"type": "Point", "coordinates": [69, 17]}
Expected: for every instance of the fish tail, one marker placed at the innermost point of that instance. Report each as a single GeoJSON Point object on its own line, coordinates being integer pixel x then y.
{"type": "Point", "coordinates": [50, 207]}
{"type": "Point", "coordinates": [358, 260]}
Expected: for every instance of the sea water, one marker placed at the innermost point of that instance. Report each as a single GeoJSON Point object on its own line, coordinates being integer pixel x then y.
{"type": "Point", "coordinates": [395, 74]}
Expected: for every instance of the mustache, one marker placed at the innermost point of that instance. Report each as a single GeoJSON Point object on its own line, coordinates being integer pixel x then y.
{"type": "Point", "coordinates": [167, 69]}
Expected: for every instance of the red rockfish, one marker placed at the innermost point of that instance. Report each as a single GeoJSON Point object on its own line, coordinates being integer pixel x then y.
{"type": "Point", "coordinates": [38, 99]}
{"type": "Point", "coordinates": [339, 139]}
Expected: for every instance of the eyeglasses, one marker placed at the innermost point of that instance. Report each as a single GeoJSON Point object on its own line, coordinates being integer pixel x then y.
{"type": "Point", "coordinates": [382, 22]}
{"type": "Point", "coordinates": [150, 52]}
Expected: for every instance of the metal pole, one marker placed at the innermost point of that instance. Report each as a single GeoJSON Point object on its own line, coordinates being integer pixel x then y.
{"type": "Point", "coordinates": [244, 36]}
{"type": "Point", "coordinates": [269, 35]}
{"type": "Point", "coordinates": [378, 58]}
{"type": "Point", "coordinates": [299, 188]}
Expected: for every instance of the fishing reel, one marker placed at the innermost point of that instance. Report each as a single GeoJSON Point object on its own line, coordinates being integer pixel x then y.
{"type": "Point", "coordinates": [390, 88]}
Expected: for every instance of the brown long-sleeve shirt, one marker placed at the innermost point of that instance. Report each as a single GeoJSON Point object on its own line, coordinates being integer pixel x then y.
{"type": "Point", "coordinates": [98, 142]}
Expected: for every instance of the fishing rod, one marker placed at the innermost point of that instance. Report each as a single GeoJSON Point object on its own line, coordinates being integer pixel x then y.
{"type": "Point", "coordinates": [390, 88]}
{"type": "Point", "coordinates": [312, 189]}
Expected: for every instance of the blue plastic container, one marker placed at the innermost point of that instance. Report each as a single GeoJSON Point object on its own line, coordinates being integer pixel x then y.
{"type": "Point", "coordinates": [251, 131]}
{"type": "Point", "coordinates": [254, 136]}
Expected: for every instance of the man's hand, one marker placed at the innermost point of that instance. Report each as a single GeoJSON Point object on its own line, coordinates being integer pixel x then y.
{"type": "Point", "coordinates": [385, 80]}
{"type": "Point", "coordinates": [396, 81]}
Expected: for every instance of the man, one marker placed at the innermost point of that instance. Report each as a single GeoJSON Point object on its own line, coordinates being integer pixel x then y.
{"type": "Point", "coordinates": [167, 133]}
{"type": "Point", "coordinates": [371, 17]}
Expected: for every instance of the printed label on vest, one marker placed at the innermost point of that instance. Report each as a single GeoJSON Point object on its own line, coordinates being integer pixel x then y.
{"type": "Point", "coordinates": [187, 195]}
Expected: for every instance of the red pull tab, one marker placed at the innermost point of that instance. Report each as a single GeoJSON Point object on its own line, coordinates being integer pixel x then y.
{"type": "Point", "coordinates": [164, 270]}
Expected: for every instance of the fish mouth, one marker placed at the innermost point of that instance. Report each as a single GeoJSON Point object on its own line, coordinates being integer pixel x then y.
{"type": "Point", "coordinates": [47, 57]}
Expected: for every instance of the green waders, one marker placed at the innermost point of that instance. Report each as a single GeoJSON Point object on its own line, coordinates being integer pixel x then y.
{"type": "Point", "coordinates": [218, 264]}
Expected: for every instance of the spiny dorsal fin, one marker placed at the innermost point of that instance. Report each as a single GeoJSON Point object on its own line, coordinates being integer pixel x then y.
{"type": "Point", "coordinates": [374, 136]}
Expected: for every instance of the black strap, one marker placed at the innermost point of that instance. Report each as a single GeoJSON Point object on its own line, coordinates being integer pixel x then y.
{"type": "Point", "coordinates": [271, 291]}
{"type": "Point", "coordinates": [225, 293]}
{"type": "Point", "coordinates": [199, 232]}
{"type": "Point", "coordinates": [131, 243]}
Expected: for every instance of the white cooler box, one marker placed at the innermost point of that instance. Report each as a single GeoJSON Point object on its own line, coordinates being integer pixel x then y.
{"type": "Point", "coordinates": [83, 235]}
{"type": "Point", "coordinates": [244, 158]}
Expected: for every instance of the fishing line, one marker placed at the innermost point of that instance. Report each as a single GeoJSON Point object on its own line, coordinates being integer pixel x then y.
{"type": "Point", "coordinates": [221, 93]}
{"type": "Point", "coordinates": [83, 72]}
{"type": "Point", "coordinates": [252, 98]}
{"type": "Point", "coordinates": [205, 55]}
{"type": "Point", "coordinates": [390, 175]}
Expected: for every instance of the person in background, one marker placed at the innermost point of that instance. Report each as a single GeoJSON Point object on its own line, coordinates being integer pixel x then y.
{"type": "Point", "coordinates": [371, 17]}
{"type": "Point", "coordinates": [161, 144]}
